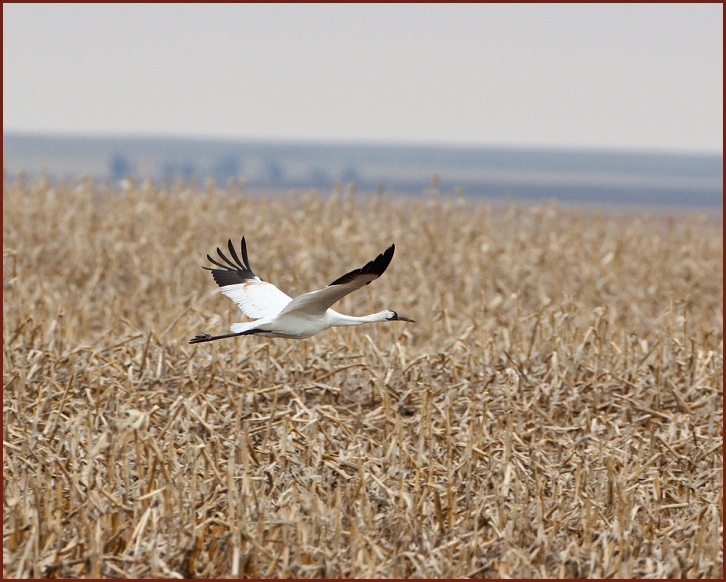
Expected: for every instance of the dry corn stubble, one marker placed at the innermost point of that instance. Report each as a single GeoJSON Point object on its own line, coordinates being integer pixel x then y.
{"type": "Point", "coordinates": [556, 411]}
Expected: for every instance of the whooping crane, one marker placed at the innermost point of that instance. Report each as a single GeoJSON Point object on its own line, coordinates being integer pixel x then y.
{"type": "Point", "coordinates": [278, 315]}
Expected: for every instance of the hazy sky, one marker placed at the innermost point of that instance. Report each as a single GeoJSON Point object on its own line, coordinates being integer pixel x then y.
{"type": "Point", "coordinates": [596, 76]}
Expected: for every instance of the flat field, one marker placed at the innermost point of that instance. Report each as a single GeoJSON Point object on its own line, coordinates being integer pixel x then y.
{"type": "Point", "coordinates": [555, 411]}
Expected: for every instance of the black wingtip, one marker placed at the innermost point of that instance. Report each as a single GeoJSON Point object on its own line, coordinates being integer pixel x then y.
{"type": "Point", "coordinates": [377, 267]}
{"type": "Point", "coordinates": [235, 270]}
{"type": "Point", "coordinates": [243, 246]}
{"type": "Point", "coordinates": [381, 262]}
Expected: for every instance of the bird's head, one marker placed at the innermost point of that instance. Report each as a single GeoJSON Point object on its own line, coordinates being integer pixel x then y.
{"type": "Point", "coordinates": [393, 316]}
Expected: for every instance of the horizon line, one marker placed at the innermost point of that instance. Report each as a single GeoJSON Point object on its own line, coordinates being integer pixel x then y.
{"type": "Point", "coordinates": [363, 142]}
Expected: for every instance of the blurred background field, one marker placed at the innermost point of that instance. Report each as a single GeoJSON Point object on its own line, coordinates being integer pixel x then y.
{"type": "Point", "coordinates": [556, 410]}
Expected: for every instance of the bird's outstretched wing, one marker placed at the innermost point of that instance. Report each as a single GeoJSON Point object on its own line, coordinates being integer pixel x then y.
{"type": "Point", "coordinates": [317, 303]}
{"type": "Point", "coordinates": [255, 297]}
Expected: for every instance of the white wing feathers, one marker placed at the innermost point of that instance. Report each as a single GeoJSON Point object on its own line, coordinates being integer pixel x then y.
{"type": "Point", "coordinates": [256, 298]}
{"type": "Point", "coordinates": [259, 299]}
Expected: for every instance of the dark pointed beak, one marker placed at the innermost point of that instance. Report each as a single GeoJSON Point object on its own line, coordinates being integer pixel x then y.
{"type": "Point", "coordinates": [402, 318]}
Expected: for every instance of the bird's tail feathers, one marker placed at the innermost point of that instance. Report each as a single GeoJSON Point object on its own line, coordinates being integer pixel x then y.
{"type": "Point", "coordinates": [243, 327]}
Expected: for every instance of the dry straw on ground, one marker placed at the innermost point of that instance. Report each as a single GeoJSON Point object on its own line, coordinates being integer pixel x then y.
{"type": "Point", "coordinates": [556, 411]}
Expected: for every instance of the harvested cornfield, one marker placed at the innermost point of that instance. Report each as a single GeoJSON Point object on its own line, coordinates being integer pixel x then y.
{"type": "Point", "coordinates": [555, 411]}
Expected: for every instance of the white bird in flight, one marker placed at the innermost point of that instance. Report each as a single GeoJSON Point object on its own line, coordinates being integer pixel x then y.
{"type": "Point", "coordinates": [278, 315]}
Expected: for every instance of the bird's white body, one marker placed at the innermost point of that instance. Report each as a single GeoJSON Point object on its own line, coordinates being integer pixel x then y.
{"type": "Point", "coordinates": [277, 314]}
{"type": "Point", "coordinates": [299, 325]}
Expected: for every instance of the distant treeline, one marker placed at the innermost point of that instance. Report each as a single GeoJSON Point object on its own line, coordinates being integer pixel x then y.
{"type": "Point", "coordinates": [608, 177]}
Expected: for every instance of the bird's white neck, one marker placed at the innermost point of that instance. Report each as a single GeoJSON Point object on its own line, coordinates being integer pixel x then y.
{"type": "Point", "coordinates": [335, 319]}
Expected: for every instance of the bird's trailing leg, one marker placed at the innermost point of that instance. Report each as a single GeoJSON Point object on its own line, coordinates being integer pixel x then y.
{"type": "Point", "coordinates": [205, 337]}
